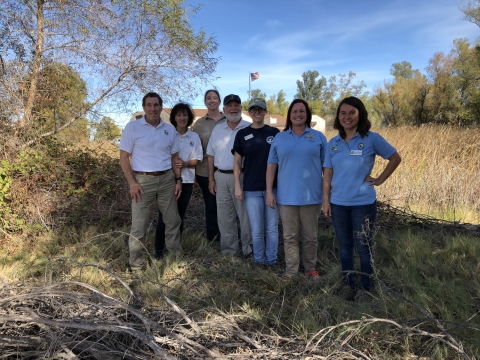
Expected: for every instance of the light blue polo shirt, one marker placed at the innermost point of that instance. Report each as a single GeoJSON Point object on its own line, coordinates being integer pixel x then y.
{"type": "Point", "coordinates": [351, 163]}
{"type": "Point", "coordinates": [300, 160]}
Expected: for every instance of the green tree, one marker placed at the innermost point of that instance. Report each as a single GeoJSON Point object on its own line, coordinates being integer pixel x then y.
{"type": "Point", "coordinates": [255, 93]}
{"type": "Point", "coordinates": [471, 10]}
{"type": "Point", "coordinates": [403, 69]}
{"type": "Point", "coordinates": [443, 92]}
{"type": "Point", "coordinates": [281, 103]}
{"type": "Point", "coordinates": [61, 93]}
{"type": "Point", "coordinates": [120, 48]}
{"type": "Point", "coordinates": [106, 129]}
{"type": "Point", "coordinates": [277, 104]}
{"type": "Point", "coordinates": [310, 88]}
{"type": "Point", "coordinates": [339, 87]}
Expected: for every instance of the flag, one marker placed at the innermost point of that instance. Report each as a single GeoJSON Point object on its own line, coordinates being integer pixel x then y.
{"type": "Point", "coordinates": [254, 76]}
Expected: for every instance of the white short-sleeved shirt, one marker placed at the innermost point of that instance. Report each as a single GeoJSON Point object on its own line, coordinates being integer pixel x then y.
{"type": "Point", "coordinates": [190, 149]}
{"type": "Point", "coordinates": [150, 147]}
{"type": "Point", "coordinates": [221, 142]}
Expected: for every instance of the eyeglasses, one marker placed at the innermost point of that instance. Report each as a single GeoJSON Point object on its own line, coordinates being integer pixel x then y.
{"type": "Point", "coordinates": [256, 110]}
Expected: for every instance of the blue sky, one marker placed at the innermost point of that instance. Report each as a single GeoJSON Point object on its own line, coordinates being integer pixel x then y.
{"type": "Point", "coordinates": [283, 38]}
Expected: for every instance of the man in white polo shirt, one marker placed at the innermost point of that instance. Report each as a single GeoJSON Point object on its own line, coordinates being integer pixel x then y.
{"type": "Point", "coordinates": [147, 148]}
{"type": "Point", "coordinates": [221, 181]}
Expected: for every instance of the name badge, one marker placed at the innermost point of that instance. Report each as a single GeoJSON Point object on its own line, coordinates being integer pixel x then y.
{"type": "Point", "coordinates": [248, 137]}
{"type": "Point", "coordinates": [356, 152]}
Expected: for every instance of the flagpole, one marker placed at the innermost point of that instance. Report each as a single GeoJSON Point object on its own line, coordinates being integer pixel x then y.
{"type": "Point", "coordinates": [249, 91]}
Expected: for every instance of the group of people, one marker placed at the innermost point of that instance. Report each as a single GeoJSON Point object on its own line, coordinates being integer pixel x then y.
{"type": "Point", "coordinates": [256, 174]}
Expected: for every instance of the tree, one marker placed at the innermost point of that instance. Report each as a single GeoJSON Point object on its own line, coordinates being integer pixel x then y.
{"type": "Point", "coordinates": [471, 10]}
{"type": "Point", "coordinates": [442, 96]}
{"type": "Point", "coordinates": [403, 69]}
{"type": "Point", "coordinates": [61, 93]}
{"type": "Point", "coordinates": [256, 93]}
{"type": "Point", "coordinates": [339, 87]}
{"type": "Point", "coordinates": [121, 48]}
{"type": "Point", "coordinates": [281, 103]}
{"type": "Point", "coordinates": [106, 129]}
{"type": "Point", "coordinates": [310, 89]}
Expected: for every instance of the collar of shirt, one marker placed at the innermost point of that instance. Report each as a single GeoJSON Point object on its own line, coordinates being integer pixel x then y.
{"type": "Point", "coordinates": [144, 122]}
{"type": "Point", "coordinates": [241, 125]}
{"type": "Point", "coordinates": [207, 117]}
{"type": "Point", "coordinates": [307, 130]}
{"type": "Point", "coordinates": [187, 134]}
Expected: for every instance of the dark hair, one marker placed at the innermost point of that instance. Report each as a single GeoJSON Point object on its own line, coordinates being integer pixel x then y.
{"type": "Point", "coordinates": [182, 108]}
{"type": "Point", "coordinates": [152, 94]}
{"type": "Point", "coordinates": [288, 124]}
{"type": "Point", "coordinates": [364, 124]}
{"type": "Point", "coordinates": [212, 90]}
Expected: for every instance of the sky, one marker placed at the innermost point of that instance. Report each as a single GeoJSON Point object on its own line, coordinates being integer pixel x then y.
{"type": "Point", "coordinates": [281, 39]}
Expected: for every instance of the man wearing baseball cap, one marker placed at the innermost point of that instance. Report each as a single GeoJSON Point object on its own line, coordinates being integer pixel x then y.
{"type": "Point", "coordinates": [221, 180]}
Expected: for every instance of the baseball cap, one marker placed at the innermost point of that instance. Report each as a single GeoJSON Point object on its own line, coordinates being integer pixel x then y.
{"type": "Point", "coordinates": [257, 102]}
{"type": "Point", "coordinates": [231, 97]}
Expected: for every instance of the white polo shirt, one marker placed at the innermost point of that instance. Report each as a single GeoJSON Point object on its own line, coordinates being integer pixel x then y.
{"type": "Point", "coordinates": [221, 142]}
{"type": "Point", "coordinates": [190, 149]}
{"type": "Point", "coordinates": [150, 147]}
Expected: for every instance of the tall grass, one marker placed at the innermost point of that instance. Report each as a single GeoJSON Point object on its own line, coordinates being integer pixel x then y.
{"type": "Point", "coordinates": [439, 173]}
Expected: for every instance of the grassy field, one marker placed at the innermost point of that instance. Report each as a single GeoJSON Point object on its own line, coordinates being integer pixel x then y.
{"type": "Point", "coordinates": [425, 303]}
{"type": "Point", "coordinates": [439, 172]}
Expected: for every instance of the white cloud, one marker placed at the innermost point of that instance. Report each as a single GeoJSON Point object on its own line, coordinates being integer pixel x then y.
{"type": "Point", "coordinates": [272, 24]}
{"type": "Point", "coordinates": [253, 40]}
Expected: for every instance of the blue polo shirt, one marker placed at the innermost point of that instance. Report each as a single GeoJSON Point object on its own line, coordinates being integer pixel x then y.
{"type": "Point", "coordinates": [351, 163]}
{"type": "Point", "coordinates": [300, 160]}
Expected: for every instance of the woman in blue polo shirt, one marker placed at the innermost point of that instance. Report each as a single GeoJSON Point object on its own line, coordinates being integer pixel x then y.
{"type": "Point", "coordinates": [348, 188]}
{"type": "Point", "coordinates": [298, 153]}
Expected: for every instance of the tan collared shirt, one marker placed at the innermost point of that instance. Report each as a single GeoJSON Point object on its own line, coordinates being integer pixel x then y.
{"type": "Point", "coordinates": [204, 127]}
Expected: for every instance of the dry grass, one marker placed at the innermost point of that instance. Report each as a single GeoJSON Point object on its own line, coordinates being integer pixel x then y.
{"type": "Point", "coordinates": [439, 172]}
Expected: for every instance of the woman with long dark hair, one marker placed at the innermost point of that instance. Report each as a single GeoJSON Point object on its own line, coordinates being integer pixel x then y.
{"type": "Point", "coordinates": [348, 188]}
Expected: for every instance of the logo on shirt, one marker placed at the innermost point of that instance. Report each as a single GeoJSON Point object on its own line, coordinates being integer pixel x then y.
{"type": "Point", "coordinates": [334, 147]}
{"type": "Point", "coordinates": [361, 146]}
{"type": "Point", "coordinates": [191, 143]}
{"type": "Point", "coordinates": [269, 139]}
{"type": "Point", "coordinates": [310, 137]}
{"type": "Point", "coordinates": [166, 132]}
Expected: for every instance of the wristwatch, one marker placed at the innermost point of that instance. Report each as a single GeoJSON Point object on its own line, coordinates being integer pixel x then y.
{"type": "Point", "coordinates": [179, 178]}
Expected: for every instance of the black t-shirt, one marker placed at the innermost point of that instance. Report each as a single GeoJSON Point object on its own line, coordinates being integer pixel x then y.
{"type": "Point", "coordinates": [254, 146]}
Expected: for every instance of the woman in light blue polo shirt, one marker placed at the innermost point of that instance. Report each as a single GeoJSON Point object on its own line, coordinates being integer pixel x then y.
{"type": "Point", "coordinates": [298, 153]}
{"type": "Point", "coordinates": [348, 188]}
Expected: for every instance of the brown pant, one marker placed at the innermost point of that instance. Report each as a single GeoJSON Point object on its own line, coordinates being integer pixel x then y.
{"type": "Point", "coordinates": [162, 190]}
{"type": "Point", "coordinates": [294, 219]}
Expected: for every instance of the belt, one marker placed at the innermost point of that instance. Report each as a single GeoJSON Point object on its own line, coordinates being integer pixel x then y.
{"type": "Point", "coordinates": [153, 173]}
{"type": "Point", "coordinates": [226, 171]}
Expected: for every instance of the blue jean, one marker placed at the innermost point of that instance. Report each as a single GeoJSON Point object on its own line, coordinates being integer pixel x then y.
{"type": "Point", "coordinates": [353, 226]}
{"type": "Point", "coordinates": [264, 227]}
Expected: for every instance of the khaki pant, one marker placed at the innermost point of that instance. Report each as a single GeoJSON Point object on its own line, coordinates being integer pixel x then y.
{"type": "Point", "coordinates": [161, 189]}
{"type": "Point", "coordinates": [294, 219]}
{"type": "Point", "coordinates": [228, 208]}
